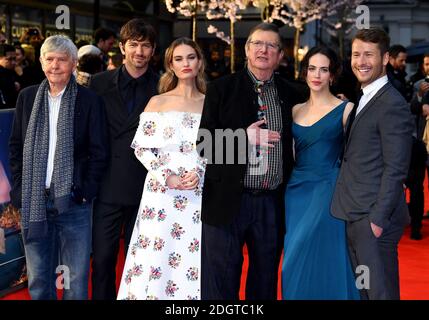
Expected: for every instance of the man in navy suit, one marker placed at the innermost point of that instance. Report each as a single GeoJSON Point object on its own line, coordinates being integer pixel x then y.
{"type": "Point", "coordinates": [59, 150]}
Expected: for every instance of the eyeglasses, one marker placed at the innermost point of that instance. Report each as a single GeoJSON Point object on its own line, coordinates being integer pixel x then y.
{"type": "Point", "coordinates": [258, 44]}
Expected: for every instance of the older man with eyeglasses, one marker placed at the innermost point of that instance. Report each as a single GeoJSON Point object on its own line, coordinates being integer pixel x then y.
{"type": "Point", "coordinates": [242, 202]}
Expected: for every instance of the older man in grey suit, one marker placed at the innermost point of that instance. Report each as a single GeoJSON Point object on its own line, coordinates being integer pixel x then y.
{"type": "Point", "coordinates": [369, 194]}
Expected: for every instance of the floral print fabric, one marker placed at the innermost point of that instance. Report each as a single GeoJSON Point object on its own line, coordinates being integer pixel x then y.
{"type": "Point", "coordinates": [164, 260]}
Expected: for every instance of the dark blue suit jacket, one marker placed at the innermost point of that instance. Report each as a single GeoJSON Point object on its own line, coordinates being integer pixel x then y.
{"type": "Point", "coordinates": [91, 143]}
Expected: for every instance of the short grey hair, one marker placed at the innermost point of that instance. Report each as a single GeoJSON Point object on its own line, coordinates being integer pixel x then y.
{"type": "Point", "coordinates": [59, 43]}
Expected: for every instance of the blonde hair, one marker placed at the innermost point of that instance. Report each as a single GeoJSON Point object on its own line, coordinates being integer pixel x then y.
{"type": "Point", "coordinates": [169, 80]}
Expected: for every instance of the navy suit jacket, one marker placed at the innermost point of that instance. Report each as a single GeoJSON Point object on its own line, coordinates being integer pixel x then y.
{"type": "Point", "coordinates": [91, 143]}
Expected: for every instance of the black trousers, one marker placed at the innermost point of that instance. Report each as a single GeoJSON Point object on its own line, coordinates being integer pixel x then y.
{"type": "Point", "coordinates": [259, 225]}
{"type": "Point", "coordinates": [414, 182]}
{"type": "Point", "coordinates": [377, 256]}
{"type": "Point", "coordinates": [107, 227]}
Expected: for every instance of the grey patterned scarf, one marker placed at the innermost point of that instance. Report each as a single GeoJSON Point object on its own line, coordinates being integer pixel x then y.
{"type": "Point", "coordinates": [35, 159]}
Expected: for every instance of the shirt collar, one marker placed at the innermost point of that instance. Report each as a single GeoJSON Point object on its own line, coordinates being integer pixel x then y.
{"type": "Point", "coordinates": [375, 85]}
{"type": "Point", "coordinates": [127, 77]}
{"type": "Point", "coordinates": [259, 82]}
{"type": "Point", "coordinates": [59, 95]}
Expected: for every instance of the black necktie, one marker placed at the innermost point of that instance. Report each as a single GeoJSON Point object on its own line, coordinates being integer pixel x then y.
{"type": "Point", "coordinates": [132, 91]}
{"type": "Point", "coordinates": [353, 114]}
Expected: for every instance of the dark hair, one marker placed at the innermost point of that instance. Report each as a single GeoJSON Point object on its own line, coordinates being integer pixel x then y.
{"type": "Point", "coordinates": [90, 63]}
{"type": "Point", "coordinates": [117, 59]}
{"type": "Point", "coordinates": [5, 48]}
{"type": "Point", "coordinates": [18, 47]}
{"type": "Point", "coordinates": [374, 35]}
{"type": "Point", "coordinates": [265, 27]}
{"type": "Point", "coordinates": [137, 29]}
{"type": "Point", "coordinates": [82, 43]}
{"type": "Point", "coordinates": [396, 49]}
{"type": "Point", "coordinates": [103, 34]}
{"type": "Point", "coordinates": [335, 65]}
{"type": "Point", "coordinates": [426, 55]}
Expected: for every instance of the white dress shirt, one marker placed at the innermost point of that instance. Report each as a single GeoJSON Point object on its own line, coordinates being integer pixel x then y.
{"type": "Point", "coordinates": [54, 110]}
{"type": "Point", "coordinates": [370, 91]}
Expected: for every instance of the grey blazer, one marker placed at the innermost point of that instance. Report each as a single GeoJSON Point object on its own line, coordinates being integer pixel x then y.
{"type": "Point", "coordinates": [375, 163]}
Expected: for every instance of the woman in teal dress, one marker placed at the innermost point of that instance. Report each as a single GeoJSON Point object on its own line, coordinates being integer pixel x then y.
{"type": "Point", "coordinates": [316, 262]}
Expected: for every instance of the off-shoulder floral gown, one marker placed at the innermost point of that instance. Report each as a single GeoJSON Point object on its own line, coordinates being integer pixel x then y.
{"type": "Point", "coordinates": [163, 259]}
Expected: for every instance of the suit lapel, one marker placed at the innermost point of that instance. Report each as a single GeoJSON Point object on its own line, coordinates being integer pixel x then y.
{"type": "Point", "coordinates": [283, 97]}
{"type": "Point", "coordinates": [114, 98]}
{"type": "Point", "coordinates": [249, 102]}
{"type": "Point", "coordinates": [368, 106]}
{"type": "Point", "coordinates": [133, 118]}
{"type": "Point", "coordinates": [77, 115]}
{"type": "Point", "coordinates": [285, 108]}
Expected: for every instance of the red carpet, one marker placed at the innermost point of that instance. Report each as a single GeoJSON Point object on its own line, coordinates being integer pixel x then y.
{"type": "Point", "coordinates": [413, 264]}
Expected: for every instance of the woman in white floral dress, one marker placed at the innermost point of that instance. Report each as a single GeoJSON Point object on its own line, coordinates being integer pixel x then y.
{"type": "Point", "coordinates": [163, 260]}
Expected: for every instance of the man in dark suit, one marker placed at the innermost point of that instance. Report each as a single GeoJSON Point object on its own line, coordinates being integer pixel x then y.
{"type": "Point", "coordinates": [369, 193]}
{"type": "Point", "coordinates": [419, 107]}
{"type": "Point", "coordinates": [104, 39]}
{"type": "Point", "coordinates": [8, 78]}
{"type": "Point", "coordinates": [59, 150]}
{"type": "Point", "coordinates": [395, 70]}
{"type": "Point", "coordinates": [125, 91]}
{"type": "Point", "coordinates": [243, 200]}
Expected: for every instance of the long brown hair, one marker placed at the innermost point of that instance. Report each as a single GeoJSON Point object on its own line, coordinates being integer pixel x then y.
{"type": "Point", "coordinates": [169, 80]}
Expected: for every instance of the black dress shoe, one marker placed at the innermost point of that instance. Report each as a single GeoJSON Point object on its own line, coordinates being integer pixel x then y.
{"type": "Point", "coordinates": [416, 235]}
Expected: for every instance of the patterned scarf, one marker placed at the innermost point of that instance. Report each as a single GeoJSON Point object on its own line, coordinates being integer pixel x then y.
{"type": "Point", "coordinates": [35, 159]}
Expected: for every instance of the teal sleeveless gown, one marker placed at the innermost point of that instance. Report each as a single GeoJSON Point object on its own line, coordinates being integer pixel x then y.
{"type": "Point", "coordinates": [316, 262]}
